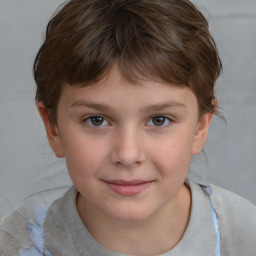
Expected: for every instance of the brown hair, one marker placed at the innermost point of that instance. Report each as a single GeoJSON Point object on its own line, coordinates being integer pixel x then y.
{"type": "Point", "coordinates": [164, 40]}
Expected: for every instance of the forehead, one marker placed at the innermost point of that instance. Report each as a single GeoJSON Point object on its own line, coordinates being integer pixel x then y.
{"type": "Point", "coordinates": [115, 91]}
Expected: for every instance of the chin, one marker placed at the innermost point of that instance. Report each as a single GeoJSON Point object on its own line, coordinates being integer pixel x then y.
{"type": "Point", "coordinates": [129, 215]}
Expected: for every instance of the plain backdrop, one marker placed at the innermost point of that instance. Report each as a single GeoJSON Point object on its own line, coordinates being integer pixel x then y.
{"type": "Point", "coordinates": [28, 167]}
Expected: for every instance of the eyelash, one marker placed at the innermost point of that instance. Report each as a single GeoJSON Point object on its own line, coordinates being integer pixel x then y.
{"type": "Point", "coordinates": [89, 119]}
{"type": "Point", "coordinates": [166, 118]}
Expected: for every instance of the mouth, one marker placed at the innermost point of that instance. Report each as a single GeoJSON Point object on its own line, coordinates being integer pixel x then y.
{"type": "Point", "coordinates": [128, 188]}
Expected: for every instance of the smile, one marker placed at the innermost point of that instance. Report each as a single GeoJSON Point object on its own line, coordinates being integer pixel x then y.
{"type": "Point", "coordinates": [128, 188]}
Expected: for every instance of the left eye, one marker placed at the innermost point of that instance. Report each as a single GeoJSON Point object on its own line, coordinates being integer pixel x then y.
{"type": "Point", "coordinates": [96, 121]}
{"type": "Point", "coordinates": [159, 121]}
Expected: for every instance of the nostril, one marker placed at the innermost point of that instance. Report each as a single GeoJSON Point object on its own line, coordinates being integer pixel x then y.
{"type": "Point", "coordinates": [127, 149]}
{"type": "Point", "coordinates": [128, 163]}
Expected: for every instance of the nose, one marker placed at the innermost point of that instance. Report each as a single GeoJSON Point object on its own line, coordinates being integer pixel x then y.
{"type": "Point", "coordinates": [127, 149]}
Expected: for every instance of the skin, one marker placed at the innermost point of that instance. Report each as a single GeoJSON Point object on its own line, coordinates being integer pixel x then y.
{"type": "Point", "coordinates": [129, 146]}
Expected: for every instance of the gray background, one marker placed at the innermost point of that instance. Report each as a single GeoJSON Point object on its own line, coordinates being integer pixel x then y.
{"type": "Point", "coordinates": [28, 168]}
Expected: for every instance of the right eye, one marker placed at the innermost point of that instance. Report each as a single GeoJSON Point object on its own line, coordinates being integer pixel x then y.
{"type": "Point", "coordinates": [96, 121]}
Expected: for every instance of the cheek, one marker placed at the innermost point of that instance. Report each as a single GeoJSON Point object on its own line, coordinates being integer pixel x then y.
{"type": "Point", "coordinates": [84, 156]}
{"type": "Point", "coordinates": [176, 146]}
{"type": "Point", "coordinates": [173, 154]}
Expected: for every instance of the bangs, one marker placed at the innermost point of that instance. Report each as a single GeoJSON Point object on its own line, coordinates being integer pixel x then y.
{"type": "Point", "coordinates": [166, 41]}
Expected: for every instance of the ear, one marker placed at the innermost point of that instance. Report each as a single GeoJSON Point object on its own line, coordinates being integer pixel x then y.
{"type": "Point", "coordinates": [201, 133]}
{"type": "Point", "coordinates": [51, 131]}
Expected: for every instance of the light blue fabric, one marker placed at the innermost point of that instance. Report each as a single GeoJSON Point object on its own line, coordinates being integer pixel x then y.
{"type": "Point", "coordinates": [36, 233]}
{"type": "Point", "coordinates": [208, 192]}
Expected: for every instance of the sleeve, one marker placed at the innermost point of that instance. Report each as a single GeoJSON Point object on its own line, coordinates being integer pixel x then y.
{"type": "Point", "coordinates": [21, 233]}
{"type": "Point", "coordinates": [13, 235]}
{"type": "Point", "coordinates": [237, 222]}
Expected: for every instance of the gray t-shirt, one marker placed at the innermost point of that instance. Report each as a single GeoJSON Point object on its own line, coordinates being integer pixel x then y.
{"type": "Point", "coordinates": [65, 235]}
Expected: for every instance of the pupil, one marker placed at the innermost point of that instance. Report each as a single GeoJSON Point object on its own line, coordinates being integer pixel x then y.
{"type": "Point", "coordinates": [158, 121]}
{"type": "Point", "coordinates": [97, 120]}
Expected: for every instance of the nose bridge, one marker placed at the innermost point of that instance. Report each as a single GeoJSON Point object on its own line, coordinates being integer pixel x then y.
{"type": "Point", "coordinates": [128, 148]}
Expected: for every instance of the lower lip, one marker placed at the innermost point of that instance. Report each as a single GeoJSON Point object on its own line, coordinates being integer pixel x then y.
{"type": "Point", "coordinates": [129, 190]}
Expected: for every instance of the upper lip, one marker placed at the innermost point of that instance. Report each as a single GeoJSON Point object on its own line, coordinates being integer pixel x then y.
{"type": "Point", "coordinates": [125, 182]}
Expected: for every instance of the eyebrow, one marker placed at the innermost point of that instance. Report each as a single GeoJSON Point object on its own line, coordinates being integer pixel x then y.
{"type": "Point", "coordinates": [105, 107]}
{"type": "Point", "coordinates": [86, 104]}
{"type": "Point", "coordinates": [162, 106]}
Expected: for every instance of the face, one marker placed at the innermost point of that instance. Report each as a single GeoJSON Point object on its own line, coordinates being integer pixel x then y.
{"type": "Point", "coordinates": [127, 147]}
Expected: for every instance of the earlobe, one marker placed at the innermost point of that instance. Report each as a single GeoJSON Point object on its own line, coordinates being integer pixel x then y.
{"type": "Point", "coordinates": [52, 131]}
{"type": "Point", "coordinates": [201, 133]}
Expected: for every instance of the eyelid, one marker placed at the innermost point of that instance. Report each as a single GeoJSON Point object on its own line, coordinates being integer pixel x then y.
{"type": "Point", "coordinates": [88, 117]}
{"type": "Point", "coordinates": [170, 119]}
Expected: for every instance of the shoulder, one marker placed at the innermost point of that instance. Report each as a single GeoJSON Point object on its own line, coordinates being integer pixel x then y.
{"type": "Point", "coordinates": [237, 222]}
{"type": "Point", "coordinates": [233, 206]}
{"type": "Point", "coordinates": [13, 233]}
{"type": "Point", "coordinates": [21, 233]}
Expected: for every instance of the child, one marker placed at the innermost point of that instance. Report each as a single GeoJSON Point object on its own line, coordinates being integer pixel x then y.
{"type": "Point", "coordinates": [126, 92]}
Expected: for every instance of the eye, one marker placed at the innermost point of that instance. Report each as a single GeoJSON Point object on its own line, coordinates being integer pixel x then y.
{"type": "Point", "coordinates": [159, 121]}
{"type": "Point", "coordinates": [96, 121]}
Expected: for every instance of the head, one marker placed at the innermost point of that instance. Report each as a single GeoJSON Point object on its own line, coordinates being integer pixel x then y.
{"type": "Point", "coordinates": [126, 92]}
{"type": "Point", "coordinates": [166, 41]}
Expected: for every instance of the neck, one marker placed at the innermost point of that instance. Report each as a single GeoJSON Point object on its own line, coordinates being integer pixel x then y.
{"type": "Point", "coordinates": [154, 235]}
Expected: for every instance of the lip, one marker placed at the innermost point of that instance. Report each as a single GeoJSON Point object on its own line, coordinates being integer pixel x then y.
{"type": "Point", "coordinates": [128, 188]}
